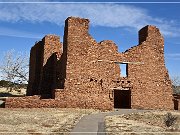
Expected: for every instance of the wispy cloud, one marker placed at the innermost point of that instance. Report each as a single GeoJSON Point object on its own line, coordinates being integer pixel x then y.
{"type": "Point", "coordinates": [111, 15]}
{"type": "Point", "coordinates": [17, 33]}
{"type": "Point", "coordinates": [173, 56]}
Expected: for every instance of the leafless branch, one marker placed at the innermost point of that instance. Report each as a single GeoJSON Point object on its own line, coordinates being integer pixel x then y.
{"type": "Point", "coordinates": [14, 67]}
{"type": "Point", "coordinates": [176, 84]}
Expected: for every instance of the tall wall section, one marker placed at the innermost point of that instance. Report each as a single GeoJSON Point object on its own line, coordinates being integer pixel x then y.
{"type": "Point", "coordinates": [43, 60]}
{"type": "Point", "coordinates": [88, 81]}
{"type": "Point", "coordinates": [151, 83]}
{"type": "Point", "coordinates": [35, 67]}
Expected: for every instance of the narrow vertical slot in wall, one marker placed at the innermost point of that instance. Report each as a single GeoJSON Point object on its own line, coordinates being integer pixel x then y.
{"type": "Point", "coordinates": [124, 72]}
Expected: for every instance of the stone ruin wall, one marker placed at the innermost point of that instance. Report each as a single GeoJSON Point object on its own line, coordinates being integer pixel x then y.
{"type": "Point", "coordinates": [43, 57]}
{"type": "Point", "coordinates": [152, 87]}
{"type": "Point", "coordinates": [36, 55]}
{"type": "Point", "coordinates": [87, 80]}
{"type": "Point", "coordinates": [80, 80]}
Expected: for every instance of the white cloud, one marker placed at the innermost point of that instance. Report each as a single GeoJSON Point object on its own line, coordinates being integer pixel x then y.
{"type": "Point", "coordinates": [17, 33]}
{"type": "Point", "coordinates": [111, 15]}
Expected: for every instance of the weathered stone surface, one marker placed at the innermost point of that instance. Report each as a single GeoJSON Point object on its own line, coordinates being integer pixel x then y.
{"type": "Point", "coordinates": [86, 73]}
{"type": "Point", "coordinates": [151, 83]}
{"type": "Point", "coordinates": [43, 61]}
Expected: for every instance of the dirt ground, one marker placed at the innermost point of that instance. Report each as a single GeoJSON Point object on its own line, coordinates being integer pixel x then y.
{"type": "Point", "coordinates": [148, 123]}
{"type": "Point", "coordinates": [38, 121]}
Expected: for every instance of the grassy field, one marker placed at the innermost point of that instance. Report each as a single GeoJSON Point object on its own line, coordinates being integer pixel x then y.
{"type": "Point", "coordinates": [148, 123]}
{"type": "Point", "coordinates": [39, 121]}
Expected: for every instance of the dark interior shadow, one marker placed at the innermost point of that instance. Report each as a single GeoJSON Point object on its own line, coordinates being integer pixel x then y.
{"type": "Point", "coordinates": [54, 72]}
{"type": "Point", "coordinates": [36, 64]}
{"type": "Point", "coordinates": [53, 76]}
{"type": "Point", "coordinates": [176, 104]}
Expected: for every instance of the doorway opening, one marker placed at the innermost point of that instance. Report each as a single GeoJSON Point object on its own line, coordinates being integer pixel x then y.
{"type": "Point", "coordinates": [122, 99]}
{"type": "Point", "coordinates": [176, 104]}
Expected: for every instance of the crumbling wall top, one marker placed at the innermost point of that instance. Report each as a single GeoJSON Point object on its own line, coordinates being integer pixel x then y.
{"type": "Point", "coordinates": [51, 37]}
{"type": "Point", "coordinates": [109, 43]}
{"type": "Point", "coordinates": [78, 22]}
{"type": "Point", "coordinates": [149, 32]}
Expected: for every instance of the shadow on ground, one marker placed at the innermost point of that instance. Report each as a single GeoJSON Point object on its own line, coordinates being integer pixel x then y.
{"type": "Point", "coordinates": [6, 94]}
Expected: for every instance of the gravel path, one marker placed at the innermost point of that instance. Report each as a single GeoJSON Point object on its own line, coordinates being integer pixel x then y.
{"type": "Point", "coordinates": [94, 124]}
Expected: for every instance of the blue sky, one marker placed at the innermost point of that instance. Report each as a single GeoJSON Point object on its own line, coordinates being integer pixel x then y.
{"type": "Point", "coordinates": [22, 24]}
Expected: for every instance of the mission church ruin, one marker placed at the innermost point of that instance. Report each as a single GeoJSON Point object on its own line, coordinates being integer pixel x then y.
{"type": "Point", "coordinates": [83, 73]}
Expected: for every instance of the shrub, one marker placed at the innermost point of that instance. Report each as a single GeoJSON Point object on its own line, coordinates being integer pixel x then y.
{"type": "Point", "coordinates": [169, 119]}
{"type": "Point", "coordinates": [4, 83]}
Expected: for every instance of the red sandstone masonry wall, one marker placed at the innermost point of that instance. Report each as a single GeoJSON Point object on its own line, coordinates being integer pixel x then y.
{"type": "Point", "coordinates": [83, 76]}
{"type": "Point", "coordinates": [36, 64]}
{"type": "Point", "coordinates": [33, 102]}
{"type": "Point", "coordinates": [43, 61]}
{"type": "Point", "coordinates": [52, 47]}
{"type": "Point", "coordinates": [86, 78]}
{"type": "Point", "coordinates": [37, 102]}
{"type": "Point", "coordinates": [151, 83]}
{"type": "Point", "coordinates": [88, 81]}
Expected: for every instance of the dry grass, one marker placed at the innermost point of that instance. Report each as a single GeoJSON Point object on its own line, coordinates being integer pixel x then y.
{"type": "Point", "coordinates": [5, 91]}
{"type": "Point", "coordinates": [38, 121]}
{"type": "Point", "coordinates": [147, 123]}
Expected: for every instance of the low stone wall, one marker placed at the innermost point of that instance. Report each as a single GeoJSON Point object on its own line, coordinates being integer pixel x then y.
{"type": "Point", "coordinates": [67, 101]}
{"type": "Point", "coordinates": [84, 99]}
{"type": "Point", "coordinates": [32, 102]}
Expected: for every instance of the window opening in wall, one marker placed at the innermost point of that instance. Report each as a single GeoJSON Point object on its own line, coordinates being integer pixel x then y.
{"type": "Point", "coordinates": [123, 68]}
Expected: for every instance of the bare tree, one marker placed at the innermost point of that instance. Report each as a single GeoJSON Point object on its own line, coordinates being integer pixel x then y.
{"type": "Point", "coordinates": [176, 84]}
{"type": "Point", "coordinates": [14, 68]}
